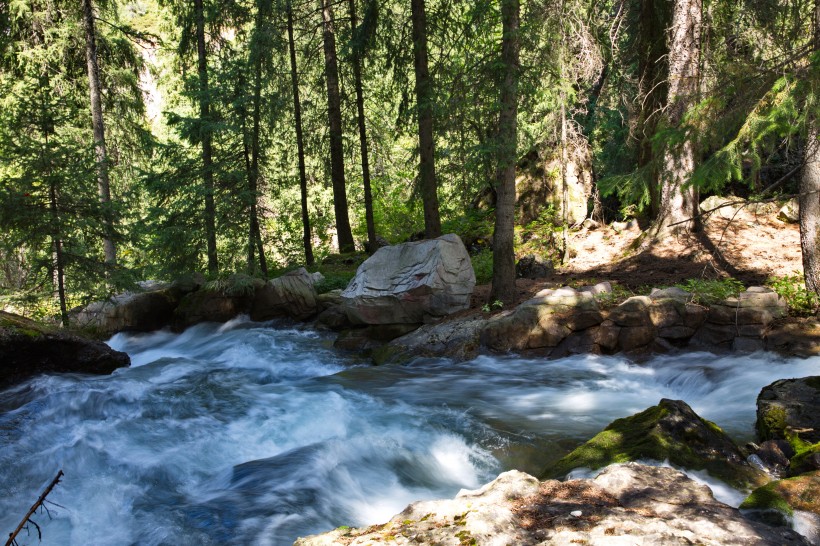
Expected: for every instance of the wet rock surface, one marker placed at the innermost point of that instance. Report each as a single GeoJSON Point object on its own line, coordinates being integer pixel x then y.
{"type": "Point", "coordinates": [28, 349]}
{"type": "Point", "coordinates": [672, 432]}
{"type": "Point", "coordinates": [625, 504]}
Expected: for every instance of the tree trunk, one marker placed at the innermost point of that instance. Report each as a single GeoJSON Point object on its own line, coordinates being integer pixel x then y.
{"type": "Point", "coordinates": [205, 135]}
{"type": "Point", "coordinates": [810, 189]}
{"type": "Point", "coordinates": [424, 105]}
{"type": "Point", "coordinates": [57, 246]}
{"type": "Point", "coordinates": [334, 113]}
{"type": "Point", "coordinates": [357, 77]}
{"type": "Point", "coordinates": [300, 145]}
{"type": "Point", "coordinates": [503, 288]}
{"type": "Point", "coordinates": [654, 19]}
{"type": "Point", "coordinates": [98, 126]}
{"type": "Point", "coordinates": [677, 203]}
{"type": "Point", "coordinates": [255, 234]}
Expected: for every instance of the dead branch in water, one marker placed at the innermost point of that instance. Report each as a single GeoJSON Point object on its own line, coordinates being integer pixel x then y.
{"type": "Point", "coordinates": [32, 510]}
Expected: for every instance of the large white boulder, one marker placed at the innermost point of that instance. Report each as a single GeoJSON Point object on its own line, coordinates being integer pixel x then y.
{"type": "Point", "coordinates": [411, 283]}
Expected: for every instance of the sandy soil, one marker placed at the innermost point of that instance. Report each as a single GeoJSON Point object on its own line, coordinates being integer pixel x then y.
{"type": "Point", "coordinates": [749, 246]}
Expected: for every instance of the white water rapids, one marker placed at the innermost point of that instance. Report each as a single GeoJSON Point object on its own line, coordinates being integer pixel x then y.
{"type": "Point", "coordinates": [247, 434]}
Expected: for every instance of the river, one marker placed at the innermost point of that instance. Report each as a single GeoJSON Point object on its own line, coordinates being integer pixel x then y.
{"type": "Point", "coordinates": [247, 433]}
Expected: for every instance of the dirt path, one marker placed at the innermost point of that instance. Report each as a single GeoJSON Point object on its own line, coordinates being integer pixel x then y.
{"type": "Point", "coordinates": [747, 246]}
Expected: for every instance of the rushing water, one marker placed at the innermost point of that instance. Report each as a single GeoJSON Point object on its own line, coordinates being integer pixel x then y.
{"type": "Point", "coordinates": [247, 434]}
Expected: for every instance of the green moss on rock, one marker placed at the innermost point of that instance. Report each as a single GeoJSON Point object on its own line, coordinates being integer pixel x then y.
{"type": "Point", "coordinates": [785, 496]}
{"type": "Point", "coordinates": [672, 432]}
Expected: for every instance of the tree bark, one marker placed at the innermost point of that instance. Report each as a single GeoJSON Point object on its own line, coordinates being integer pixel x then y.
{"type": "Point", "coordinates": [300, 145]}
{"type": "Point", "coordinates": [334, 113]}
{"type": "Point", "coordinates": [205, 135]}
{"type": "Point", "coordinates": [424, 106]}
{"type": "Point", "coordinates": [503, 288]}
{"type": "Point", "coordinates": [809, 200]}
{"type": "Point", "coordinates": [677, 201]}
{"type": "Point", "coordinates": [356, 50]}
{"type": "Point", "coordinates": [654, 19]}
{"type": "Point", "coordinates": [59, 259]}
{"type": "Point", "coordinates": [254, 232]}
{"type": "Point", "coordinates": [98, 127]}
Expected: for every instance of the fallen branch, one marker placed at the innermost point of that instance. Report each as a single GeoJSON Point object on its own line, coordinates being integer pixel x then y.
{"type": "Point", "coordinates": [33, 509]}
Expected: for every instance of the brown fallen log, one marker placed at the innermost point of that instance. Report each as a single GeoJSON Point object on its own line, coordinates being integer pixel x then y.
{"type": "Point", "coordinates": [33, 509]}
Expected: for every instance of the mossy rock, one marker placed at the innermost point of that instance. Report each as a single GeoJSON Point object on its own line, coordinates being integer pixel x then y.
{"type": "Point", "coordinates": [781, 498]}
{"type": "Point", "coordinates": [28, 348]}
{"type": "Point", "coordinates": [672, 432]}
{"type": "Point", "coordinates": [806, 459]}
{"type": "Point", "coordinates": [789, 409]}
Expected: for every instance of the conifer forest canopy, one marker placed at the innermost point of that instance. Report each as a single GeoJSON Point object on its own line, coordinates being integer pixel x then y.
{"type": "Point", "coordinates": [153, 139]}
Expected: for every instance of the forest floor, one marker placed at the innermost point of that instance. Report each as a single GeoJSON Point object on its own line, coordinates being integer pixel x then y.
{"type": "Point", "coordinates": [750, 246]}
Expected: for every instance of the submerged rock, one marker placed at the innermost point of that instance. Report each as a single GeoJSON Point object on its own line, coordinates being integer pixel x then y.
{"type": "Point", "coordinates": [625, 504]}
{"type": "Point", "coordinates": [28, 349]}
{"type": "Point", "coordinates": [672, 432]}
{"type": "Point", "coordinates": [411, 283]}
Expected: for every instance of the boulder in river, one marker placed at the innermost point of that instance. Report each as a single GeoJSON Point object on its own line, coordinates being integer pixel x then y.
{"type": "Point", "coordinates": [28, 348]}
{"type": "Point", "coordinates": [150, 308]}
{"type": "Point", "coordinates": [292, 295]}
{"type": "Point", "coordinates": [790, 408]}
{"type": "Point", "coordinates": [672, 432]}
{"type": "Point", "coordinates": [411, 283]}
{"type": "Point", "coordinates": [625, 504]}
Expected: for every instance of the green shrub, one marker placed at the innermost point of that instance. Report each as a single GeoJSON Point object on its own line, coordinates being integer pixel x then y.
{"type": "Point", "coordinates": [791, 288]}
{"type": "Point", "coordinates": [334, 281]}
{"type": "Point", "coordinates": [708, 291]}
{"type": "Point", "coordinates": [483, 266]}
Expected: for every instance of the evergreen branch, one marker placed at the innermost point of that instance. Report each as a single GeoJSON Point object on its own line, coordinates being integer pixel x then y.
{"type": "Point", "coordinates": [137, 37]}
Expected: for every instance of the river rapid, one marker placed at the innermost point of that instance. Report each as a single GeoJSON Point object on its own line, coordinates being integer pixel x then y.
{"type": "Point", "coordinates": [248, 433]}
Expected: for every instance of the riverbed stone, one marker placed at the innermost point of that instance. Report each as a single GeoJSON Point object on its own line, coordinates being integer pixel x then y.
{"type": "Point", "coordinates": [632, 312]}
{"type": "Point", "coordinates": [795, 338]}
{"type": "Point", "coordinates": [543, 321]}
{"type": "Point", "coordinates": [672, 432]}
{"type": "Point", "coordinates": [28, 348]}
{"type": "Point", "coordinates": [292, 295]}
{"type": "Point", "coordinates": [411, 283]}
{"type": "Point", "coordinates": [456, 339]}
{"type": "Point", "coordinates": [625, 504]}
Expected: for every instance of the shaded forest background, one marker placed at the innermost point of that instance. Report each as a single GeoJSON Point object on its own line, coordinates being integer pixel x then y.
{"type": "Point", "coordinates": [144, 139]}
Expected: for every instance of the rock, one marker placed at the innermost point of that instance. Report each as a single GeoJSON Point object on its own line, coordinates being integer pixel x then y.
{"type": "Point", "coordinates": [671, 293]}
{"type": "Point", "coordinates": [329, 299]}
{"type": "Point", "coordinates": [672, 432]}
{"type": "Point", "coordinates": [532, 267]}
{"type": "Point", "coordinates": [625, 504]}
{"type": "Point", "coordinates": [632, 312]}
{"type": "Point", "coordinates": [728, 208]}
{"type": "Point", "coordinates": [411, 283]}
{"type": "Point", "coordinates": [794, 338]}
{"type": "Point", "coordinates": [456, 339]}
{"type": "Point", "coordinates": [208, 306]}
{"type": "Point", "coordinates": [334, 318]}
{"type": "Point", "coordinates": [790, 409]}
{"type": "Point", "coordinates": [794, 500]}
{"type": "Point", "coordinates": [591, 224]}
{"type": "Point", "coordinates": [292, 295]}
{"type": "Point", "coordinates": [790, 212]}
{"type": "Point", "coordinates": [635, 337]}
{"type": "Point", "coordinates": [597, 289]}
{"type": "Point", "coordinates": [365, 339]}
{"type": "Point", "coordinates": [131, 311]}
{"type": "Point", "coordinates": [28, 349]}
{"type": "Point", "coordinates": [543, 321]}
{"type": "Point", "coordinates": [775, 455]}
